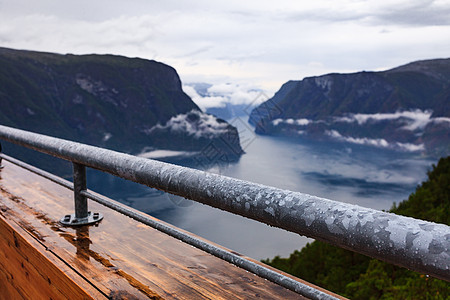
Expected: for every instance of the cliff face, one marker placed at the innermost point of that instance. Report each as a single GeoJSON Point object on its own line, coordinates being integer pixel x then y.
{"type": "Point", "coordinates": [103, 100]}
{"type": "Point", "coordinates": [406, 108]}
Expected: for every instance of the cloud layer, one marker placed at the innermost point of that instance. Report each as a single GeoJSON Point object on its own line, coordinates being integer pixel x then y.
{"type": "Point", "coordinates": [413, 120]}
{"type": "Point", "coordinates": [194, 123]}
{"type": "Point", "coordinates": [218, 95]}
{"type": "Point", "coordinates": [259, 43]}
{"type": "Point", "coordinates": [409, 128]}
{"type": "Point", "coordinates": [380, 143]}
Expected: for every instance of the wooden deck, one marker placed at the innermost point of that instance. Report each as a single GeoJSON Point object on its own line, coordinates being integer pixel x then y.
{"type": "Point", "coordinates": [119, 259]}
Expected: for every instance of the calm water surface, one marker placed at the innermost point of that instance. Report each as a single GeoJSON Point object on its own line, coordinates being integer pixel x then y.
{"type": "Point", "coordinates": [354, 174]}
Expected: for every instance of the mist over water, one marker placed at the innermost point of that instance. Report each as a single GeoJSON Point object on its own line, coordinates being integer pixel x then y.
{"type": "Point", "coordinates": [356, 174]}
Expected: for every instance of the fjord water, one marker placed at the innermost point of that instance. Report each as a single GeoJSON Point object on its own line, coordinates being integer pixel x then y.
{"type": "Point", "coordinates": [356, 174]}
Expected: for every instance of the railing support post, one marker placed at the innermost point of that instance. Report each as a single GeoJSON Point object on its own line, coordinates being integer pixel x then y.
{"type": "Point", "coordinates": [81, 216]}
{"type": "Point", "coordinates": [79, 184]}
{"type": "Point", "coordinates": [1, 166]}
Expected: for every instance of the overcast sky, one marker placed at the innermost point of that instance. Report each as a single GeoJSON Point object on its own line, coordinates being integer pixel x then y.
{"type": "Point", "coordinates": [260, 44]}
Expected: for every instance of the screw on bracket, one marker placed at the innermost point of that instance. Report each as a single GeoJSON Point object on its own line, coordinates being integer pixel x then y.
{"type": "Point", "coordinates": [81, 216]}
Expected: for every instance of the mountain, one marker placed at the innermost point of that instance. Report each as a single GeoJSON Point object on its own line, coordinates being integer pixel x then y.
{"type": "Point", "coordinates": [120, 103]}
{"type": "Point", "coordinates": [405, 108]}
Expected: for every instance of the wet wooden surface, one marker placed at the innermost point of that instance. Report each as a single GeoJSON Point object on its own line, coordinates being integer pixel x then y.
{"type": "Point", "coordinates": [27, 273]}
{"type": "Point", "coordinates": [120, 258]}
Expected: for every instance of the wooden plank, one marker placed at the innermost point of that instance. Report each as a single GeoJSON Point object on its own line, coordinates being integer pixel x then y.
{"type": "Point", "coordinates": [22, 209]}
{"type": "Point", "coordinates": [26, 273]}
{"type": "Point", "coordinates": [121, 257]}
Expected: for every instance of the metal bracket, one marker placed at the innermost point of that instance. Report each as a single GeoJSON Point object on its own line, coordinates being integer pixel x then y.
{"type": "Point", "coordinates": [71, 220]}
{"type": "Point", "coordinates": [81, 216]}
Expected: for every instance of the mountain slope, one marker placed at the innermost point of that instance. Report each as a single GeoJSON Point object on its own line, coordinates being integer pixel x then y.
{"type": "Point", "coordinates": [406, 108]}
{"type": "Point", "coordinates": [103, 100]}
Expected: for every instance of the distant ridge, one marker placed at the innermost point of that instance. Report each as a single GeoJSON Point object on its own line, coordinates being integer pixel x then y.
{"type": "Point", "coordinates": [437, 68]}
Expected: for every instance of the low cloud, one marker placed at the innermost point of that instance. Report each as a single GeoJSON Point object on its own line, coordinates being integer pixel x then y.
{"type": "Point", "coordinates": [204, 102]}
{"type": "Point", "coordinates": [410, 147]}
{"type": "Point", "coordinates": [194, 123]}
{"type": "Point", "coordinates": [413, 120]}
{"type": "Point", "coordinates": [380, 143]}
{"type": "Point", "coordinates": [219, 95]}
{"type": "Point", "coordinates": [298, 122]}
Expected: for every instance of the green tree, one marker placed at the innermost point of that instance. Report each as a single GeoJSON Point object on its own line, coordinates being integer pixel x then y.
{"type": "Point", "coordinates": [431, 200]}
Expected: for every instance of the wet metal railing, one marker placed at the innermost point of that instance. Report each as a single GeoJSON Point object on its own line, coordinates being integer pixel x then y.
{"type": "Point", "coordinates": [415, 244]}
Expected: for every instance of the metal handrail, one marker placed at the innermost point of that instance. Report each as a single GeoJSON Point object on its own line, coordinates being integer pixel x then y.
{"type": "Point", "coordinates": [415, 244]}
{"type": "Point", "coordinates": [228, 256]}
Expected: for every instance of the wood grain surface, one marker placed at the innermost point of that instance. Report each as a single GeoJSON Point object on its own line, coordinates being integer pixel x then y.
{"type": "Point", "coordinates": [119, 258]}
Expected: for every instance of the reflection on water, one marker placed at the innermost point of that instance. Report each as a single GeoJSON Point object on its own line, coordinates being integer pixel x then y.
{"type": "Point", "coordinates": [363, 187]}
{"type": "Point", "coordinates": [349, 173]}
